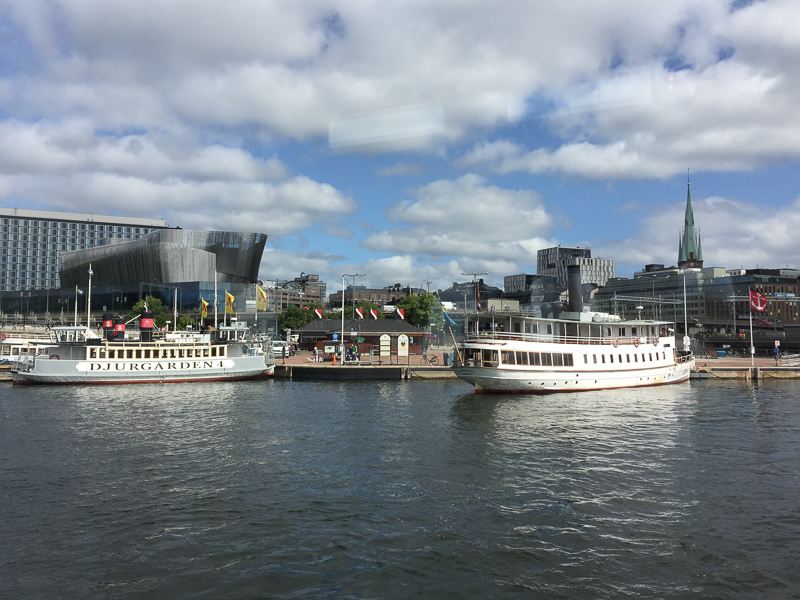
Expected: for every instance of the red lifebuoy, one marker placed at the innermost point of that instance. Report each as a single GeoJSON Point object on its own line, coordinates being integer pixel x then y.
{"type": "Point", "coordinates": [636, 342]}
{"type": "Point", "coordinates": [54, 356]}
{"type": "Point", "coordinates": [615, 342]}
{"type": "Point", "coordinates": [2, 336]}
{"type": "Point", "coordinates": [655, 341]}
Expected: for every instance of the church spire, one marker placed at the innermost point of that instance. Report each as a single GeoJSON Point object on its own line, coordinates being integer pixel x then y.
{"type": "Point", "coordinates": [690, 253]}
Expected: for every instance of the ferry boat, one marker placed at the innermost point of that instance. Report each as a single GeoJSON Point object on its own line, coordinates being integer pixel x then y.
{"type": "Point", "coordinates": [76, 355]}
{"type": "Point", "coordinates": [571, 351]}
{"type": "Point", "coordinates": [14, 344]}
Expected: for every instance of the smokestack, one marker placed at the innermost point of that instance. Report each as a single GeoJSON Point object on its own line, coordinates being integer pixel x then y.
{"type": "Point", "coordinates": [574, 288]}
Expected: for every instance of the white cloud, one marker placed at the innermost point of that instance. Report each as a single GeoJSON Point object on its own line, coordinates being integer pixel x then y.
{"type": "Point", "coordinates": [466, 218]}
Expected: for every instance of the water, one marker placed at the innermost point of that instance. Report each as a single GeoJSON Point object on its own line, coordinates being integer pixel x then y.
{"type": "Point", "coordinates": [395, 490]}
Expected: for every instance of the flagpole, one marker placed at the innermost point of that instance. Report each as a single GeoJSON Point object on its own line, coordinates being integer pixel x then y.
{"type": "Point", "coordinates": [89, 300]}
{"type": "Point", "coordinates": [215, 297]}
{"type": "Point", "coordinates": [752, 348]}
{"type": "Point", "coordinates": [76, 306]}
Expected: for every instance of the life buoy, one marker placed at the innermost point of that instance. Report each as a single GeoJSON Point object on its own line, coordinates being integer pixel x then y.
{"type": "Point", "coordinates": [2, 336]}
{"type": "Point", "coordinates": [615, 341]}
{"type": "Point", "coordinates": [636, 342]}
{"type": "Point", "coordinates": [655, 341]}
{"type": "Point", "coordinates": [54, 357]}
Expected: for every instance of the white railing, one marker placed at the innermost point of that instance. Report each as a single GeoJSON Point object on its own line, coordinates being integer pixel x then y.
{"type": "Point", "coordinates": [499, 337]}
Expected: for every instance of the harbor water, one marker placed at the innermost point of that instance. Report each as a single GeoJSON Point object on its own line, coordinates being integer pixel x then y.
{"type": "Point", "coordinates": [281, 489]}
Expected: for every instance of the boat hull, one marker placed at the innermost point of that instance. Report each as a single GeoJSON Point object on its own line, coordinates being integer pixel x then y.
{"type": "Point", "coordinates": [494, 380]}
{"type": "Point", "coordinates": [82, 372]}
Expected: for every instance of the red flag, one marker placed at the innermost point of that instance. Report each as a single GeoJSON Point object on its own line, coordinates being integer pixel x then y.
{"type": "Point", "coordinates": [758, 301]}
{"type": "Point", "coordinates": [478, 295]}
{"type": "Point", "coordinates": [360, 313]}
{"type": "Point", "coordinates": [400, 313]}
{"type": "Point", "coordinates": [318, 312]}
{"type": "Point", "coordinates": [374, 313]}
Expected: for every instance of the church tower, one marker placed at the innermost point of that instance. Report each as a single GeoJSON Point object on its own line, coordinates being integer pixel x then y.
{"type": "Point", "coordinates": [690, 253]}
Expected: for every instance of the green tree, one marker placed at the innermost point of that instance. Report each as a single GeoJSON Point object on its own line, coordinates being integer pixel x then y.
{"type": "Point", "coordinates": [185, 321]}
{"type": "Point", "coordinates": [294, 317]}
{"type": "Point", "coordinates": [422, 310]}
{"type": "Point", "coordinates": [160, 312]}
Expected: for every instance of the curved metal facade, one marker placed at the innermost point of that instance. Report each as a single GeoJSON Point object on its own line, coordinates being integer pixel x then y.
{"type": "Point", "coordinates": [168, 256]}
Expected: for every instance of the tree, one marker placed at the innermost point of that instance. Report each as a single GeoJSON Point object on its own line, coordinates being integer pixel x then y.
{"type": "Point", "coordinates": [422, 310]}
{"type": "Point", "coordinates": [161, 313]}
{"type": "Point", "coordinates": [185, 321]}
{"type": "Point", "coordinates": [294, 317]}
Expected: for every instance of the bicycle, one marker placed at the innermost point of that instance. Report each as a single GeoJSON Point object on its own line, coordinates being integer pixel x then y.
{"type": "Point", "coordinates": [430, 360]}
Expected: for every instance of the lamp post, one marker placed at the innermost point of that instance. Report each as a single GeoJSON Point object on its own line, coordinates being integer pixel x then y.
{"type": "Point", "coordinates": [341, 341]}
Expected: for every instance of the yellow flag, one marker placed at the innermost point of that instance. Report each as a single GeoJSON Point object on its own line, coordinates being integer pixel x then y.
{"type": "Point", "coordinates": [261, 299]}
{"type": "Point", "coordinates": [229, 303]}
{"type": "Point", "coordinates": [203, 308]}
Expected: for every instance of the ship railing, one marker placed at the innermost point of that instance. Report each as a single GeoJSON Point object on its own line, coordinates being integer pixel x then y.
{"type": "Point", "coordinates": [499, 337]}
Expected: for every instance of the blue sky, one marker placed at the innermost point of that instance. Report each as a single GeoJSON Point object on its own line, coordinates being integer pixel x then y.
{"type": "Point", "coordinates": [414, 141]}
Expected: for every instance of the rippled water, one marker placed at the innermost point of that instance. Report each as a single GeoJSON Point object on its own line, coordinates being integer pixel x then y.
{"type": "Point", "coordinates": [393, 490]}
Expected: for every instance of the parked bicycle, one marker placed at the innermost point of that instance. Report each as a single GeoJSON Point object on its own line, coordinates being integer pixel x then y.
{"type": "Point", "coordinates": [431, 359]}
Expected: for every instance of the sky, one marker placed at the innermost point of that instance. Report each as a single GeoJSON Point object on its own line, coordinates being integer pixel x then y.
{"type": "Point", "coordinates": [414, 142]}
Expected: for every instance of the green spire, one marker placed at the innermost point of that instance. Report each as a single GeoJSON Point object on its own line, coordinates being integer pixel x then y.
{"type": "Point", "coordinates": [690, 252]}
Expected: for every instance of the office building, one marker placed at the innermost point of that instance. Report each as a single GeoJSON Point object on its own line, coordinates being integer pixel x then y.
{"type": "Point", "coordinates": [554, 262]}
{"type": "Point", "coordinates": [32, 242]}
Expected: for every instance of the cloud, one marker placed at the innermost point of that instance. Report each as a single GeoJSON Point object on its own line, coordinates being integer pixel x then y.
{"type": "Point", "coordinates": [68, 165]}
{"type": "Point", "coordinates": [467, 218]}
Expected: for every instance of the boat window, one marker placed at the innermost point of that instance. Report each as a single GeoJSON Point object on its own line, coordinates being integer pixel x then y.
{"type": "Point", "coordinates": [558, 360]}
{"type": "Point", "coordinates": [620, 358]}
{"type": "Point", "coordinates": [611, 356]}
{"type": "Point", "coordinates": [547, 360]}
{"type": "Point", "coordinates": [635, 358]}
{"type": "Point", "coordinates": [92, 352]}
{"type": "Point", "coordinates": [508, 357]}
{"type": "Point", "coordinates": [129, 353]}
{"type": "Point", "coordinates": [213, 351]}
{"type": "Point", "coordinates": [534, 359]}
{"type": "Point", "coordinates": [568, 360]}
{"type": "Point", "coordinates": [205, 352]}
{"type": "Point", "coordinates": [594, 358]}
{"type": "Point", "coordinates": [633, 330]}
{"type": "Point", "coordinates": [586, 359]}
{"type": "Point", "coordinates": [651, 357]}
{"type": "Point", "coordinates": [222, 351]}
{"type": "Point", "coordinates": [138, 354]}
{"type": "Point", "coordinates": [549, 328]}
{"type": "Point", "coordinates": [664, 356]}
{"type": "Point", "coordinates": [522, 358]}
{"type": "Point", "coordinates": [490, 357]}
{"type": "Point", "coordinates": [629, 357]}
{"type": "Point", "coordinates": [516, 328]}
{"type": "Point", "coordinates": [603, 358]}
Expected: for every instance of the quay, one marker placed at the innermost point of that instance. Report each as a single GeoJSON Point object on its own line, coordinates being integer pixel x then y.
{"type": "Point", "coordinates": [301, 367]}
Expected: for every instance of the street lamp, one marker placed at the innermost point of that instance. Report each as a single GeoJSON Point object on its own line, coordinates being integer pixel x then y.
{"type": "Point", "coordinates": [341, 341]}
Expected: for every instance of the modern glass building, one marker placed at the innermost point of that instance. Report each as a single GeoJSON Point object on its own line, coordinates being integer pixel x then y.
{"type": "Point", "coordinates": [32, 242]}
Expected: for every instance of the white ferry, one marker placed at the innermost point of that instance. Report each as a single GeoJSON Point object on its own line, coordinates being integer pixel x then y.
{"type": "Point", "coordinates": [12, 345]}
{"type": "Point", "coordinates": [515, 353]}
{"type": "Point", "coordinates": [578, 351]}
{"type": "Point", "coordinates": [75, 355]}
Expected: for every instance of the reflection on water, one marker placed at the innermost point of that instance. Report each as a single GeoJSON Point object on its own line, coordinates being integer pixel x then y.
{"type": "Point", "coordinates": [375, 489]}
